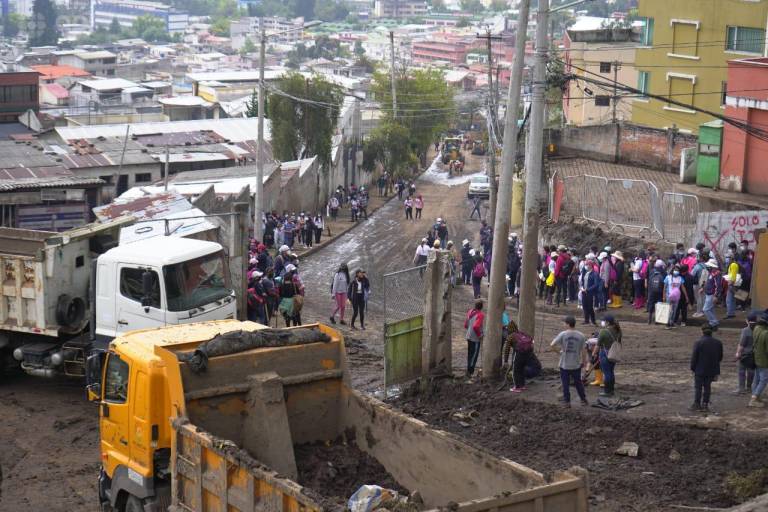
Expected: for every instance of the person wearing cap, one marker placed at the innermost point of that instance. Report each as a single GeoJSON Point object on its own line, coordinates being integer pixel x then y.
{"type": "Point", "coordinates": [745, 355]}
{"type": "Point", "coordinates": [610, 333]}
{"type": "Point", "coordinates": [690, 258]}
{"type": "Point", "coordinates": [712, 289]}
{"type": "Point", "coordinates": [418, 203]}
{"type": "Point", "coordinates": [705, 365]}
{"type": "Point", "coordinates": [467, 254]}
{"type": "Point", "coordinates": [573, 356]}
{"type": "Point", "coordinates": [760, 349]}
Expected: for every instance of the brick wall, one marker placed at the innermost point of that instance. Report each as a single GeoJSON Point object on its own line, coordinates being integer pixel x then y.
{"type": "Point", "coordinates": [638, 145]}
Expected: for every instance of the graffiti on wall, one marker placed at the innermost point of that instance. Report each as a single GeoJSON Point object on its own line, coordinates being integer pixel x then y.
{"type": "Point", "coordinates": [718, 229]}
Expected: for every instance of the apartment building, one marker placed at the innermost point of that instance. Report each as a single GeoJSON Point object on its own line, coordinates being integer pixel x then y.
{"type": "Point", "coordinates": [126, 12]}
{"type": "Point", "coordinates": [685, 46]}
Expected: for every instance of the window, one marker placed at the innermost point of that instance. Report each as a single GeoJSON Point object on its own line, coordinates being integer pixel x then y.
{"type": "Point", "coordinates": [106, 179]}
{"type": "Point", "coordinates": [685, 38]}
{"type": "Point", "coordinates": [602, 101]}
{"type": "Point", "coordinates": [131, 287]}
{"type": "Point", "coordinates": [647, 36]}
{"type": "Point", "coordinates": [197, 282]}
{"type": "Point", "coordinates": [723, 92]}
{"type": "Point", "coordinates": [745, 39]}
{"type": "Point", "coordinates": [643, 78]}
{"type": "Point", "coordinates": [681, 89]}
{"type": "Point", "coordinates": [79, 261]}
{"type": "Point", "coordinates": [116, 380]}
{"type": "Point", "coordinates": [605, 67]}
{"type": "Point", "coordinates": [143, 177]}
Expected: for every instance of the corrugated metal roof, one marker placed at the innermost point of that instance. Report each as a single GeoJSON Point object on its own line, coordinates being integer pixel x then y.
{"type": "Point", "coordinates": [147, 207]}
{"type": "Point", "coordinates": [234, 129]}
{"type": "Point", "coordinates": [108, 84]}
{"type": "Point", "coordinates": [24, 178]}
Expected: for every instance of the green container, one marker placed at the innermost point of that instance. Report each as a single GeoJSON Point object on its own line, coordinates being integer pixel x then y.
{"type": "Point", "coordinates": [708, 160]}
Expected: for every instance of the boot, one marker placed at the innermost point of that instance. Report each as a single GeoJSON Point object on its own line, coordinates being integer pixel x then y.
{"type": "Point", "coordinates": [598, 378]}
{"type": "Point", "coordinates": [615, 301]}
{"type": "Point", "coordinates": [608, 391]}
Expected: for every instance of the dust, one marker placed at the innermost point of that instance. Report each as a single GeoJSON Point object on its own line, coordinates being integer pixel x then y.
{"type": "Point", "coordinates": [549, 438]}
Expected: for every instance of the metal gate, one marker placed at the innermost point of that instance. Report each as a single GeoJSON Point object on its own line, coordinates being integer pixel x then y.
{"type": "Point", "coordinates": [403, 293]}
{"type": "Point", "coordinates": [679, 213]}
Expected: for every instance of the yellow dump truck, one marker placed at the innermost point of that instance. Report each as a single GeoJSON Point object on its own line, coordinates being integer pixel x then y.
{"type": "Point", "coordinates": [210, 416]}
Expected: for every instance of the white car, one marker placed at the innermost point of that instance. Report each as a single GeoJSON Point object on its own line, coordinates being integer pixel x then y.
{"type": "Point", "coordinates": [479, 186]}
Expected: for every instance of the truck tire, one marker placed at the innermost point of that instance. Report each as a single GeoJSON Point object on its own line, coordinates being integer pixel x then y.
{"type": "Point", "coordinates": [70, 311]}
{"type": "Point", "coordinates": [133, 504]}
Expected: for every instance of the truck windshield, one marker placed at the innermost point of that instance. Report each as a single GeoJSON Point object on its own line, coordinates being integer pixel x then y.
{"type": "Point", "coordinates": [197, 282]}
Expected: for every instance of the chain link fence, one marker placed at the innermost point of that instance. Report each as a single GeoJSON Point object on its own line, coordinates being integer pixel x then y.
{"type": "Point", "coordinates": [403, 293]}
{"type": "Point", "coordinates": [595, 199]}
{"type": "Point", "coordinates": [680, 213]}
{"type": "Point", "coordinates": [630, 205]}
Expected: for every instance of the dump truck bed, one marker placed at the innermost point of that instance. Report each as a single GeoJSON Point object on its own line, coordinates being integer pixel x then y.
{"type": "Point", "coordinates": [241, 417]}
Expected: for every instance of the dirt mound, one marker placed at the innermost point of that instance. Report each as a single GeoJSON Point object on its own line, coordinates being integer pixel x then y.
{"type": "Point", "coordinates": [336, 470]}
{"type": "Point", "coordinates": [548, 438]}
{"type": "Point", "coordinates": [582, 236]}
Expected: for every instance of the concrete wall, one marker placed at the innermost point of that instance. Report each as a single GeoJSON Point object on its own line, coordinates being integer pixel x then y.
{"type": "Point", "coordinates": [637, 145]}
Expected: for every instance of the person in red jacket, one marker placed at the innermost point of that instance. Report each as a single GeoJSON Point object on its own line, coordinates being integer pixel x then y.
{"type": "Point", "coordinates": [563, 269]}
{"type": "Point", "coordinates": [474, 326]}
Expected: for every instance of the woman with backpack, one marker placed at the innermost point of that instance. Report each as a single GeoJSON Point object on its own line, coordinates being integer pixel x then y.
{"type": "Point", "coordinates": [339, 288]}
{"type": "Point", "coordinates": [608, 349]}
{"type": "Point", "coordinates": [521, 345]}
{"type": "Point", "coordinates": [474, 326]}
{"type": "Point", "coordinates": [478, 272]}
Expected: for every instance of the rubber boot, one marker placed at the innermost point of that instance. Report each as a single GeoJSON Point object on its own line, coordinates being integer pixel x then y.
{"type": "Point", "coordinates": [598, 378]}
{"type": "Point", "coordinates": [615, 301]}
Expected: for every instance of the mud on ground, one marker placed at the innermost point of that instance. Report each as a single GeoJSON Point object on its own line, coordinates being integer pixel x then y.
{"type": "Point", "coordinates": [334, 471]}
{"type": "Point", "coordinates": [549, 437]}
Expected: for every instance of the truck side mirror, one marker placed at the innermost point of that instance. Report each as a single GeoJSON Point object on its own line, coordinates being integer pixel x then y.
{"type": "Point", "coordinates": [146, 290]}
{"type": "Point", "coordinates": [93, 366]}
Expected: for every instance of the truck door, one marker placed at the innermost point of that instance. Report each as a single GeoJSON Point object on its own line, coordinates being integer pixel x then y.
{"type": "Point", "coordinates": [131, 315]}
{"type": "Point", "coordinates": [115, 414]}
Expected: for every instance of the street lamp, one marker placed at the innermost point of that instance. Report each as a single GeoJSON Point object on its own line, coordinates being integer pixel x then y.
{"type": "Point", "coordinates": [258, 233]}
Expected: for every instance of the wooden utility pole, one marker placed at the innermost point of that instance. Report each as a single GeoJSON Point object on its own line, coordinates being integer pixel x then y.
{"type": "Point", "coordinates": [615, 65]}
{"type": "Point", "coordinates": [492, 112]}
{"type": "Point", "coordinates": [394, 78]}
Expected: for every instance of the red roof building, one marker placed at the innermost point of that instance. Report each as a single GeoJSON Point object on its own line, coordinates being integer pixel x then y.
{"type": "Point", "coordinates": [51, 73]}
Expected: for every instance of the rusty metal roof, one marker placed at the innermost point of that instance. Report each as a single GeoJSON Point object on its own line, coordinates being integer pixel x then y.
{"type": "Point", "coordinates": [147, 207]}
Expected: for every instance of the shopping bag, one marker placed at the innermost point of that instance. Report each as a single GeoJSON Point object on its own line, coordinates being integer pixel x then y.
{"type": "Point", "coordinates": [663, 311]}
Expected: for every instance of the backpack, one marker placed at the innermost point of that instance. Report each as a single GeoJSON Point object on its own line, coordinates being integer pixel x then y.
{"type": "Point", "coordinates": [479, 270]}
{"type": "Point", "coordinates": [524, 342]}
{"type": "Point", "coordinates": [656, 282]}
{"type": "Point", "coordinates": [644, 269]}
{"type": "Point", "coordinates": [568, 268]}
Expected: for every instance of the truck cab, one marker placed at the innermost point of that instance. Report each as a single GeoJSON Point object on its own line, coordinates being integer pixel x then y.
{"type": "Point", "coordinates": [161, 281]}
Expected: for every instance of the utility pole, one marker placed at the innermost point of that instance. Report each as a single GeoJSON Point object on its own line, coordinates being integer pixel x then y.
{"type": "Point", "coordinates": [394, 78]}
{"type": "Point", "coordinates": [533, 174]}
{"type": "Point", "coordinates": [615, 65]}
{"type": "Point", "coordinates": [167, 166]}
{"type": "Point", "coordinates": [258, 203]}
{"type": "Point", "coordinates": [492, 112]}
{"type": "Point", "coordinates": [492, 352]}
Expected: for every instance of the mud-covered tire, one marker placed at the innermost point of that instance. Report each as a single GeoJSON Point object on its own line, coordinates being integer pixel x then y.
{"type": "Point", "coordinates": [133, 504]}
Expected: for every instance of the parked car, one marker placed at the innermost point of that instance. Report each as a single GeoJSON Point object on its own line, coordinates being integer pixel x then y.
{"type": "Point", "coordinates": [479, 186]}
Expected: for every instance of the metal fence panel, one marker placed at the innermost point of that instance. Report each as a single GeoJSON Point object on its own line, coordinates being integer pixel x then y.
{"type": "Point", "coordinates": [680, 213]}
{"type": "Point", "coordinates": [404, 301]}
{"type": "Point", "coordinates": [656, 214]}
{"type": "Point", "coordinates": [630, 204]}
{"type": "Point", "coordinates": [595, 198]}
{"type": "Point", "coordinates": [573, 196]}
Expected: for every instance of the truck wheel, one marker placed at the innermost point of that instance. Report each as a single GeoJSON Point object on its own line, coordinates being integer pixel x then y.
{"type": "Point", "coordinates": [70, 311]}
{"type": "Point", "coordinates": [133, 504]}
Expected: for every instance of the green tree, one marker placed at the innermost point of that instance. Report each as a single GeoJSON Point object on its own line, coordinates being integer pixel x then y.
{"type": "Point", "coordinates": [358, 49]}
{"type": "Point", "coordinates": [365, 64]}
{"type": "Point", "coordinates": [150, 29]}
{"type": "Point", "coordinates": [252, 105]}
{"type": "Point", "coordinates": [389, 145]}
{"type": "Point", "coordinates": [12, 24]}
{"type": "Point", "coordinates": [463, 23]}
{"type": "Point", "coordinates": [331, 10]}
{"type": "Point", "coordinates": [114, 27]}
{"type": "Point", "coordinates": [248, 47]}
{"type": "Point", "coordinates": [472, 6]}
{"type": "Point", "coordinates": [42, 25]}
{"type": "Point", "coordinates": [425, 105]}
{"type": "Point", "coordinates": [499, 5]}
{"type": "Point", "coordinates": [301, 129]}
{"type": "Point", "coordinates": [220, 26]}
{"type": "Point", "coordinates": [438, 6]}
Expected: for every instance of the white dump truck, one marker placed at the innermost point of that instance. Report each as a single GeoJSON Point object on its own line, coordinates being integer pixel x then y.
{"type": "Point", "coordinates": [57, 285]}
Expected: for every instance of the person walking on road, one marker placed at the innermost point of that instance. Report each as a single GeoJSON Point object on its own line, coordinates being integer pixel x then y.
{"type": "Point", "coordinates": [705, 365]}
{"type": "Point", "coordinates": [474, 325]}
{"type": "Point", "coordinates": [609, 334]}
{"type": "Point", "coordinates": [478, 272]}
{"type": "Point", "coordinates": [418, 203]}
{"type": "Point", "coordinates": [442, 232]}
{"type": "Point", "coordinates": [712, 290]}
{"type": "Point", "coordinates": [408, 208]}
{"type": "Point", "coordinates": [745, 355]}
{"type": "Point", "coordinates": [573, 356]}
{"type": "Point", "coordinates": [339, 289]}
{"type": "Point", "coordinates": [760, 348]}
{"type": "Point", "coordinates": [467, 255]}
{"type": "Point", "coordinates": [422, 251]}
{"type": "Point", "coordinates": [476, 203]}
{"type": "Point", "coordinates": [356, 292]}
